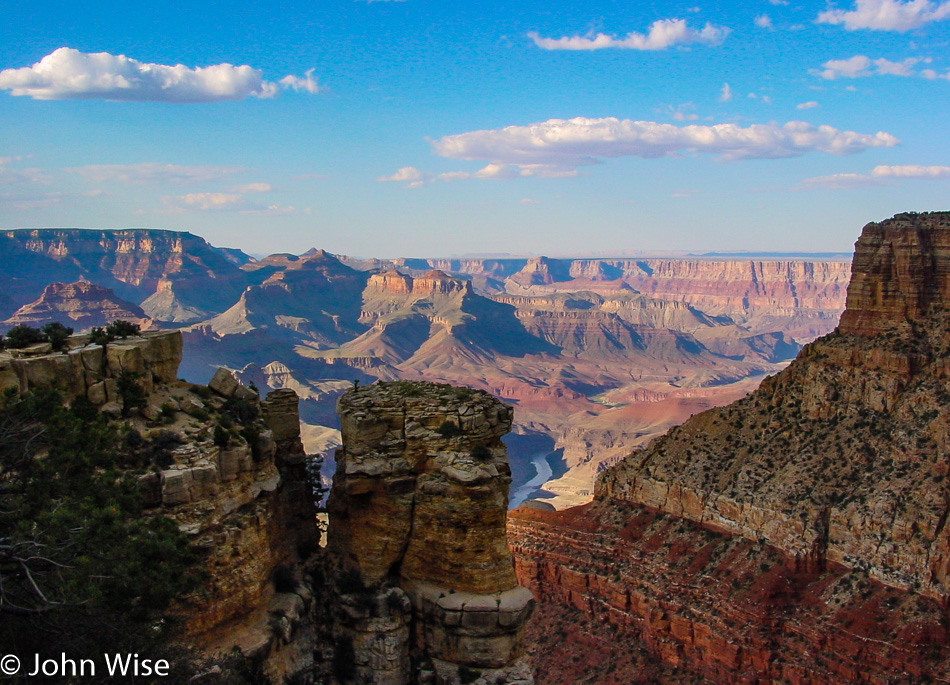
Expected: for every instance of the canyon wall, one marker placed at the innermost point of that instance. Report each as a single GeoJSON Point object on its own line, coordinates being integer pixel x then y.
{"type": "Point", "coordinates": [133, 262]}
{"type": "Point", "coordinates": [227, 467]}
{"type": "Point", "coordinates": [426, 590]}
{"type": "Point", "coordinates": [782, 536]}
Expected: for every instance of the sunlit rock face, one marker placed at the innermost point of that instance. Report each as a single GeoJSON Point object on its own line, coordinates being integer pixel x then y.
{"type": "Point", "coordinates": [425, 579]}
{"type": "Point", "coordinates": [815, 508]}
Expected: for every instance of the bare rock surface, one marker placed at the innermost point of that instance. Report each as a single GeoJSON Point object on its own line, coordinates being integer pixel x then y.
{"type": "Point", "coordinates": [417, 533]}
{"type": "Point", "coordinates": [782, 535]}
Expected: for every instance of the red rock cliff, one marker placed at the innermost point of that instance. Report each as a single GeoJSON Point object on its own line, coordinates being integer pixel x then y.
{"type": "Point", "coordinates": [799, 534]}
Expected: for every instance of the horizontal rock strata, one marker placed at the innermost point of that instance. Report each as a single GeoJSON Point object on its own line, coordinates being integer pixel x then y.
{"type": "Point", "coordinates": [417, 532]}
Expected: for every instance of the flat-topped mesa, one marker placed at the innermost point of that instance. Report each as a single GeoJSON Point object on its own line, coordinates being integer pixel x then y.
{"type": "Point", "coordinates": [901, 271]}
{"type": "Point", "coordinates": [434, 282]}
{"type": "Point", "coordinates": [417, 530]}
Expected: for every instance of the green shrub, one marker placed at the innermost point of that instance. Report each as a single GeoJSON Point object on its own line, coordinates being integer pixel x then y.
{"type": "Point", "coordinates": [221, 436]}
{"type": "Point", "coordinates": [57, 334]}
{"type": "Point", "coordinates": [100, 571]}
{"type": "Point", "coordinates": [202, 391]}
{"type": "Point", "coordinates": [448, 429]}
{"type": "Point", "coordinates": [131, 393]}
{"type": "Point", "coordinates": [242, 411]}
{"type": "Point", "coordinates": [481, 453]}
{"type": "Point", "coordinates": [122, 329]}
{"type": "Point", "coordinates": [21, 336]}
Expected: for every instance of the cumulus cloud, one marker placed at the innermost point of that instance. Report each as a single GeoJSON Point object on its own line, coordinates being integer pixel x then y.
{"type": "Point", "coordinates": [152, 173]}
{"type": "Point", "coordinates": [911, 171]}
{"type": "Point", "coordinates": [67, 74]}
{"type": "Point", "coordinates": [414, 178]}
{"type": "Point", "coordinates": [725, 93]}
{"type": "Point", "coordinates": [220, 202]}
{"type": "Point", "coordinates": [307, 84]}
{"type": "Point", "coordinates": [880, 175]}
{"type": "Point", "coordinates": [887, 15]}
{"type": "Point", "coordinates": [763, 21]}
{"type": "Point", "coordinates": [560, 144]}
{"type": "Point", "coordinates": [663, 33]}
{"type": "Point", "coordinates": [861, 66]}
{"type": "Point", "coordinates": [811, 104]}
{"type": "Point", "coordinates": [404, 175]}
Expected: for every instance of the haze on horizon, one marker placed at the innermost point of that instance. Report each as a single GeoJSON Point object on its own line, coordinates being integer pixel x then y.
{"type": "Point", "coordinates": [416, 128]}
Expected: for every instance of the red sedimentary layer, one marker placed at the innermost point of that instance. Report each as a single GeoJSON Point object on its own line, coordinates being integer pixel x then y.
{"type": "Point", "coordinates": [726, 608]}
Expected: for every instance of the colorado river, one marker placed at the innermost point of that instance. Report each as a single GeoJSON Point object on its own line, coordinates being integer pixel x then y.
{"type": "Point", "coordinates": [544, 474]}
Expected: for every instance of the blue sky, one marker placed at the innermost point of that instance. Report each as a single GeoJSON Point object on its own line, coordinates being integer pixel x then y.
{"type": "Point", "coordinates": [424, 128]}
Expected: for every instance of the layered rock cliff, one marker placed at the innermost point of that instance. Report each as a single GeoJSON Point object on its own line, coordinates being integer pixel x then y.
{"type": "Point", "coordinates": [132, 262]}
{"type": "Point", "coordinates": [426, 587]}
{"type": "Point", "coordinates": [825, 493]}
{"type": "Point", "coordinates": [227, 467]}
{"type": "Point", "coordinates": [81, 305]}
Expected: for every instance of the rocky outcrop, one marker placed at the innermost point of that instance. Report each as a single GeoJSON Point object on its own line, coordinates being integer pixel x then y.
{"type": "Point", "coordinates": [228, 469]}
{"type": "Point", "coordinates": [92, 370]}
{"type": "Point", "coordinates": [232, 476]}
{"type": "Point", "coordinates": [80, 305]}
{"type": "Point", "coordinates": [433, 282]}
{"type": "Point", "coordinates": [832, 477]}
{"type": "Point", "coordinates": [901, 273]}
{"type": "Point", "coordinates": [417, 536]}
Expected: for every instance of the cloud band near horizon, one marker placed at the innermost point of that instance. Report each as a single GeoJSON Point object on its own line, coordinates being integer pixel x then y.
{"type": "Point", "coordinates": [582, 141]}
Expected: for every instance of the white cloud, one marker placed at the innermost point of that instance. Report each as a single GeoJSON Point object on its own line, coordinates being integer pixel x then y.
{"type": "Point", "coordinates": [152, 173]}
{"type": "Point", "coordinates": [861, 66]}
{"type": "Point", "coordinates": [879, 175]}
{"type": "Point", "coordinates": [27, 201]}
{"type": "Point", "coordinates": [931, 74]}
{"type": "Point", "coordinates": [725, 93]}
{"type": "Point", "coordinates": [911, 171]}
{"type": "Point", "coordinates": [663, 33]}
{"type": "Point", "coordinates": [67, 74]}
{"type": "Point", "coordinates": [778, 2]}
{"type": "Point", "coordinates": [406, 173]}
{"type": "Point", "coordinates": [682, 112]}
{"type": "Point", "coordinates": [561, 144]}
{"type": "Point", "coordinates": [811, 104]}
{"type": "Point", "coordinates": [307, 84]}
{"type": "Point", "coordinates": [253, 188]}
{"type": "Point", "coordinates": [887, 15]}
{"type": "Point", "coordinates": [10, 176]}
{"type": "Point", "coordinates": [764, 21]}
{"type": "Point", "coordinates": [220, 202]}
{"type": "Point", "coordinates": [841, 181]}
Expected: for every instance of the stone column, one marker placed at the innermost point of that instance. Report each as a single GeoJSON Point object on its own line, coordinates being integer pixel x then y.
{"type": "Point", "coordinates": [418, 506]}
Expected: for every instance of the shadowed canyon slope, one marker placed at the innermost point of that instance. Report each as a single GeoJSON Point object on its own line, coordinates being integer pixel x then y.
{"type": "Point", "coordinates": [600, 355]}
{"type": "Point", "coordinates": [799, 534]}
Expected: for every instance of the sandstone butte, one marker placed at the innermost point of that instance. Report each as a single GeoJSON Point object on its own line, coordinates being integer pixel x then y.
{"type": "Point", "coordinates": [795, 536]}
{"type": "Point", "coordinates": [425, 585]}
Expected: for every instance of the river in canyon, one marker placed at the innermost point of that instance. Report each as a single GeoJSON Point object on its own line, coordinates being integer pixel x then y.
{"type": "Point", "coordinates": [543, 475]}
